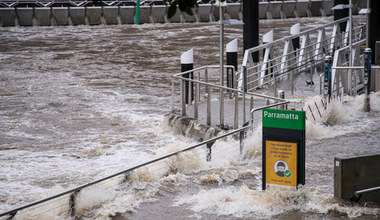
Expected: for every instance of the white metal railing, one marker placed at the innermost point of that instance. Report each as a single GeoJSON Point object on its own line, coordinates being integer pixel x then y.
{"type": "Point", "coordinates": [348, 82]}
{"type": "Point", "coordinates": [206, 85]}
{"type": "Point", "coordinates": [279, 58]}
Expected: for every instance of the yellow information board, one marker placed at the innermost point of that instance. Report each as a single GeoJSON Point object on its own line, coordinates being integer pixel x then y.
{"type": "Point", "coordinates": [281, 163]}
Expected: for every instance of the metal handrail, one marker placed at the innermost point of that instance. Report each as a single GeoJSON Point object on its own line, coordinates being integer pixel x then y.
{"type": "Point", "coordinates": [279, 41]}
{"type": "Point", "coordinates": [76, 189]}
{"type": "Point", "coordinates": [308, 56]}
{"type": "Point", "coordinates": [197, 83]}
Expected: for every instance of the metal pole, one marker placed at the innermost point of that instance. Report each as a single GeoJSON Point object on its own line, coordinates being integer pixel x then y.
{"type": "Point", "coordinates": [350, 45]}
{"type": "Point", "coordinates": [367, 28]}
{"type": "Point", "coordinates": [244, 91]}
{"type": "Point", "coordinates": [221, 74]}
{"type": "Point", "coordinates": [236, 115]}
{"type": "Point", "coordinates": [172, 100]}
{"type": "Point", "coordinates": [183, 98]}
{"type": "Point", "coordinates": [138, 12]}
{"type": "Point", "coordinates": [367, 78]}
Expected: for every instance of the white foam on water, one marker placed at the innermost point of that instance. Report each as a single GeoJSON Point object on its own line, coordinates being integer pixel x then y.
{"type": "Point", "coordinates": [55, 209]}
{"type": "Point", "coordinates": [245, 202]}
{"type": "Point", "coordinates": [339, 118]}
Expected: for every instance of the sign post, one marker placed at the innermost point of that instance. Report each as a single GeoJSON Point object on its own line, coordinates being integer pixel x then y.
{"type": "Point", "coordinates": [283, 148]}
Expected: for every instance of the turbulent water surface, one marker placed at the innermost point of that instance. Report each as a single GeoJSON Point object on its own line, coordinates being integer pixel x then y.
{"type": "Point", "coordinates": [79, 103]}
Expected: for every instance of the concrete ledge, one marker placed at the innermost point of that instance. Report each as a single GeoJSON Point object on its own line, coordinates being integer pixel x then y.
{"type": "Point", "coordinates": [357, 173]}
{"type": "Point", "coordinates": [43, 16]}
{"type": "Point", "coordinates": [190, 18]}
{"type": "Point", "coordinates": [204, 13]}
{"type": "Point", "coordinates": [77, 15]}
{"type": "Point", "coordinates": [176, 17]}
{"type": "Point", "coordinates": [215, 12]}
{"type": "Point", "coordinates": [275, 9]}
{"type": "Point", "coordinates": [93, 15]}
{"type": "Point", "coordinates": [60, 15]}
{"type": "Point", "coordinates": [127, 14]}
{"type": "Point", "coordinates": [316, 7]}
{"type": "Point", "coordinates": [144, 14]}
{"type": "Point", "coordinates": [190, 128]}
{"type": "Point", "coordinates": [233, 10]}
{"type": "Point", "coordinates": [25, 16]}
{"type": "Point", "coordinates": [158, 14]}
{"type": "Point", "coordinates": [289, 8]}
{"type": "Point", "coordinates": [7, 17]}
{"type": "Point", "coordinates": [110, 14]}
{"type": "Point", "coordinates": [327, 5]}
{"type": "Point", "coordinates": [263, 8]}
{"type": "Point", "coordinates": [301, 8]}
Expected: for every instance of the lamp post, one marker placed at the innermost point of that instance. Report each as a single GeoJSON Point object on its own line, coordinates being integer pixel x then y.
{"type": "Point", "coordinates": [340, 7]}
{"type": "Point", "coordinates": [221, 4]}
{"type": "Point", "coordinates": [366, 11]}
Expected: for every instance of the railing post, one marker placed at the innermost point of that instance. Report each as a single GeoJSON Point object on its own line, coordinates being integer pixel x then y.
{"type": "Point", "coordinates": [208, 120]}
{"type": "Point", "coordinates": [221, 109]}
{"type": "Point", "coordinates": [208, 106]}
{"type": "Point", "coordinates": [183, 98]}
{"type": "Point", "coordinates": [250, 108]}
{"type": "Point", "coordinates": [72, 203]}
{"type": "Point", "coordinates": [244, 71]}
{"type": "Point", "coordinates": [196, 99]}
{"type": "Point", "coordinates": [208, 156]}
{"type": "Point", "coordinates": [172, 100]}
{"type": "Point", "coordinates": [281, 95]}
{"type": "Point", "coordinates": [236, 115]}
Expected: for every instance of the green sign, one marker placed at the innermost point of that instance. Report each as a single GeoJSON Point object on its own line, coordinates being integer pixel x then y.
{"type": "Point", "coordinates": [286, 119]}
{"type": "Point", "coordinates": [283, 156]}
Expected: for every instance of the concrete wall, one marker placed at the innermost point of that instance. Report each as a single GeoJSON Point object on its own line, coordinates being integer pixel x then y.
{"type": "Point", "coordinates": [93, 15]}
{"type": "Point", "coordinates": [43, 16]}
{"type": "Point", "coordinates": [7, 17]}
{"type": "Point", "coordinates": [111, 14]}
{"type": "Point", "coordinates": [157, 14]}
{"type": "Point", "coordinates": [60, 15]}
{"type": "Point", "coordinates": [25, 16]}
{"type": "Point", "coordinates": [357, 173]}
{"type": "Point", "coordinates": [77, 15]}
{"type": "Point", "coordinates": [127, 14]}
{"type": "Point", "coordinates": [205, 13]}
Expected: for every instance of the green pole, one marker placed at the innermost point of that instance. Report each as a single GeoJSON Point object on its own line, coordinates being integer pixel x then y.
{"type": "Point", "coordinates": [137, 11]}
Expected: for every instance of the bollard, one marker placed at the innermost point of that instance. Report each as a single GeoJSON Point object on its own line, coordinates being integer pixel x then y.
{"type": "Point", "coordinates": [281, 95]}
{"type": "Point", "coordinates": [294, 30]}
{"type": "Point", "coordinates": [187, 63]}
{"type": "Point", "coordinates": [327, 77]}
{"type": "Point", "coordinates": [232, 59]}
{"type": "Point", "coordinates": [267, 38]}
{"type": "Point", "coordinates": [367, 77]}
